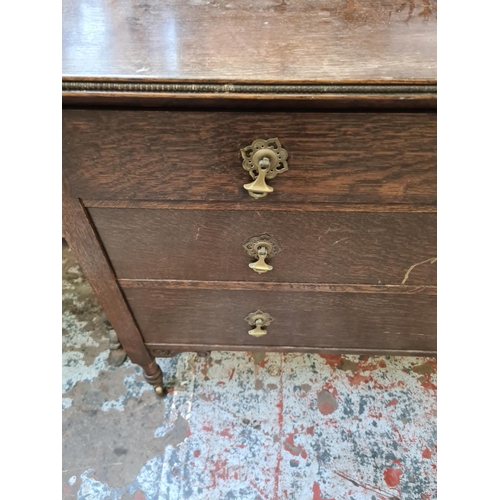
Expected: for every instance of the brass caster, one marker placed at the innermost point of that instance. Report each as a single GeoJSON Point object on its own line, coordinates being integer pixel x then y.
{"type": "Point", "coordinates": [159, 390]}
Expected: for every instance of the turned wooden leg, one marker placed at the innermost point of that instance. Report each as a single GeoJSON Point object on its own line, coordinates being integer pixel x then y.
{"type": "Point", "coordinates": [117, 354]}
{"type": "Point", "coordinates": [154, 376]}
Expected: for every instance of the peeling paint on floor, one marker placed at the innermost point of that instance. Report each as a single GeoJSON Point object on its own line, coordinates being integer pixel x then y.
{"type": "Point", "coordinates": [241, 425]}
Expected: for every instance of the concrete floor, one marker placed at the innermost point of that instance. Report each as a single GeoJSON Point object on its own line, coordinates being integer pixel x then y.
{"type": "Point", "coordinates": [241, 425]}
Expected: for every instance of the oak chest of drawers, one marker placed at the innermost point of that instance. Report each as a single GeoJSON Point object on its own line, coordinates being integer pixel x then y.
{"type": "Point", "coordinates": [253, 175]}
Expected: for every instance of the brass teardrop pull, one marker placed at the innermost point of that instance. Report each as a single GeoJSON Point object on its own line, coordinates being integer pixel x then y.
{"type": "Point", "coordinates": [258, 188]}
{"type": "Point", "coordinates": [263, 159]}
{"type": "Point", "coordinates": [261, 247]}
{"type": "Point", "coordinates": [259, 320]}
{"type": "Point", "coordinates": [261, 266]}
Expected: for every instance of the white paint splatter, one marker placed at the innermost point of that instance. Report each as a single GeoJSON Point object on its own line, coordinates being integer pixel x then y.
{"type": "Point", "coordinates": [135, 387]}
{"type": "Point", "coordinates": [66, 403]}
{"type": "Point", "coordinates": [76, 337]}
{"type": "Point", "coordinates": [76, 370]}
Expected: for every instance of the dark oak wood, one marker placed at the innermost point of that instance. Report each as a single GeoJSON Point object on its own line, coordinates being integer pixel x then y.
{"type": "Point", "coordinates": [333, 157]}
{"type": "Point", "coordinates": [80, 235]}
{"type": "Point", "coordinates": [270, 207]}
{"type": "Point", "coordinates": [304, 320]}
{"type": "Point", "coordinates": [250, 41]}
{"type": "Point", "coordinates": [159, 98]}
{"type": "Point", "coordinates": [321, 247]}
{"type": "Point", "coordinates": [273, 286]}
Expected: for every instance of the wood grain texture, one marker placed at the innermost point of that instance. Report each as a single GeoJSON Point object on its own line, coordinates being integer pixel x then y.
{"type": "Point", "coordinates": [316, 247]}
{"type": "Point", "coordinates": [251, 41]}
{"type": "Point", "coordinates": [80, 235]}
{"type": "Point", "coordinates": [333, 320]}
{"type": "Point", "coordinates": [274, 286]}
{"type": "Point", "coordinates": [173, 155]}
{"type": "Point", "coordinates": [273, 207]}
{"type": "Point", "coordinates": [183, 85]}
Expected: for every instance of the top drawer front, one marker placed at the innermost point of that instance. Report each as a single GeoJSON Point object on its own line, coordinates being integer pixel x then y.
{"type": "Point", "coordinates": [170, 155]}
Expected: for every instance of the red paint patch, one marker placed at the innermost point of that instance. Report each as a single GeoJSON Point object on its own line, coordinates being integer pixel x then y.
{"type": "Point", "coordinates": [220, 469]}
{"type": "Point", "coordinates": [426, 383]}
{"type": "Point", "coordinates": [333, 360]}
{"type": "Point", "coordinates": [379, 387]}
{"type": "Point", "coordinates": [139, 495]}
{"type": "Point", "coordinates": [392, 477]}
{"type": "Point", "coordinates": [196, 453]}
{"type": "Point", "coordinates": [395, 430]}
{"type": "Point", "coordinates": [398, 462]}
{"type": "Point", "coordinates": [325, 408]}
{"type": "Point", "coordinates": [382, 364]}
{"type": "Point", "coordinates": [426, 453]}
{"type": "Point", "coordinates": [310, 430]}
{"type": "Point", "coordinates": [317, 493]}
{"type": "Point", "coordinates": [231, 375]}
{"type": "Point", "coordinates": [367, 367]}
{"type": "Point", "coordinates": [208, 428]}
{"type": "Point", "coordinates": [291, 445]}
{"type": "Point", "coordinates": [392, 402]}
{"type": "Point", "coordinates": [432, 362]}
{"type": "Point", "coordinates": [206, 396]}
{"type": "Point", "coordinates": [355, 380]}
{"type": "Point", "coordinates": [292, 448]}
{"type": "Point", "coordinates": [226, 433]}
{"type": "Point", "coordinates": [331, 388]}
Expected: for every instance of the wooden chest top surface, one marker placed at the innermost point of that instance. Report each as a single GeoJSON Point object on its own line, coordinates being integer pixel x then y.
{"type": "Point", "coordinates": [257, 41]}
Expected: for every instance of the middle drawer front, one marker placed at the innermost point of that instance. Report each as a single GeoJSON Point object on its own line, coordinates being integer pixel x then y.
{"type": "Point", "coordinates": [314, 247]}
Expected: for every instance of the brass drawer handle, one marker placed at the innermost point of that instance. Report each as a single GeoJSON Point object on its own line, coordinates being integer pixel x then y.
{"type": "Point", "coordinates": [263, 159]}
{"type": "Point", "coordinates": [259, 320]}
{"type": "Point", "coordinates": [261, 247]}
{"type": "Point", "coordinates": [261, 266]}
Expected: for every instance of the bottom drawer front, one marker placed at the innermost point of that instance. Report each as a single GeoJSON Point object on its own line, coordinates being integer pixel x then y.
{"type": "Point", "coordinates": [300, 319]}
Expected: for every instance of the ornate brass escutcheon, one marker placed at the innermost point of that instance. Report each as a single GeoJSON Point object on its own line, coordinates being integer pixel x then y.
{"type": "Point", "coordinates": [260, 320]}
{"type": "Point", "coordinates": [263, 159]}
{"type": "Point", "coordinates": [261, 247]}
